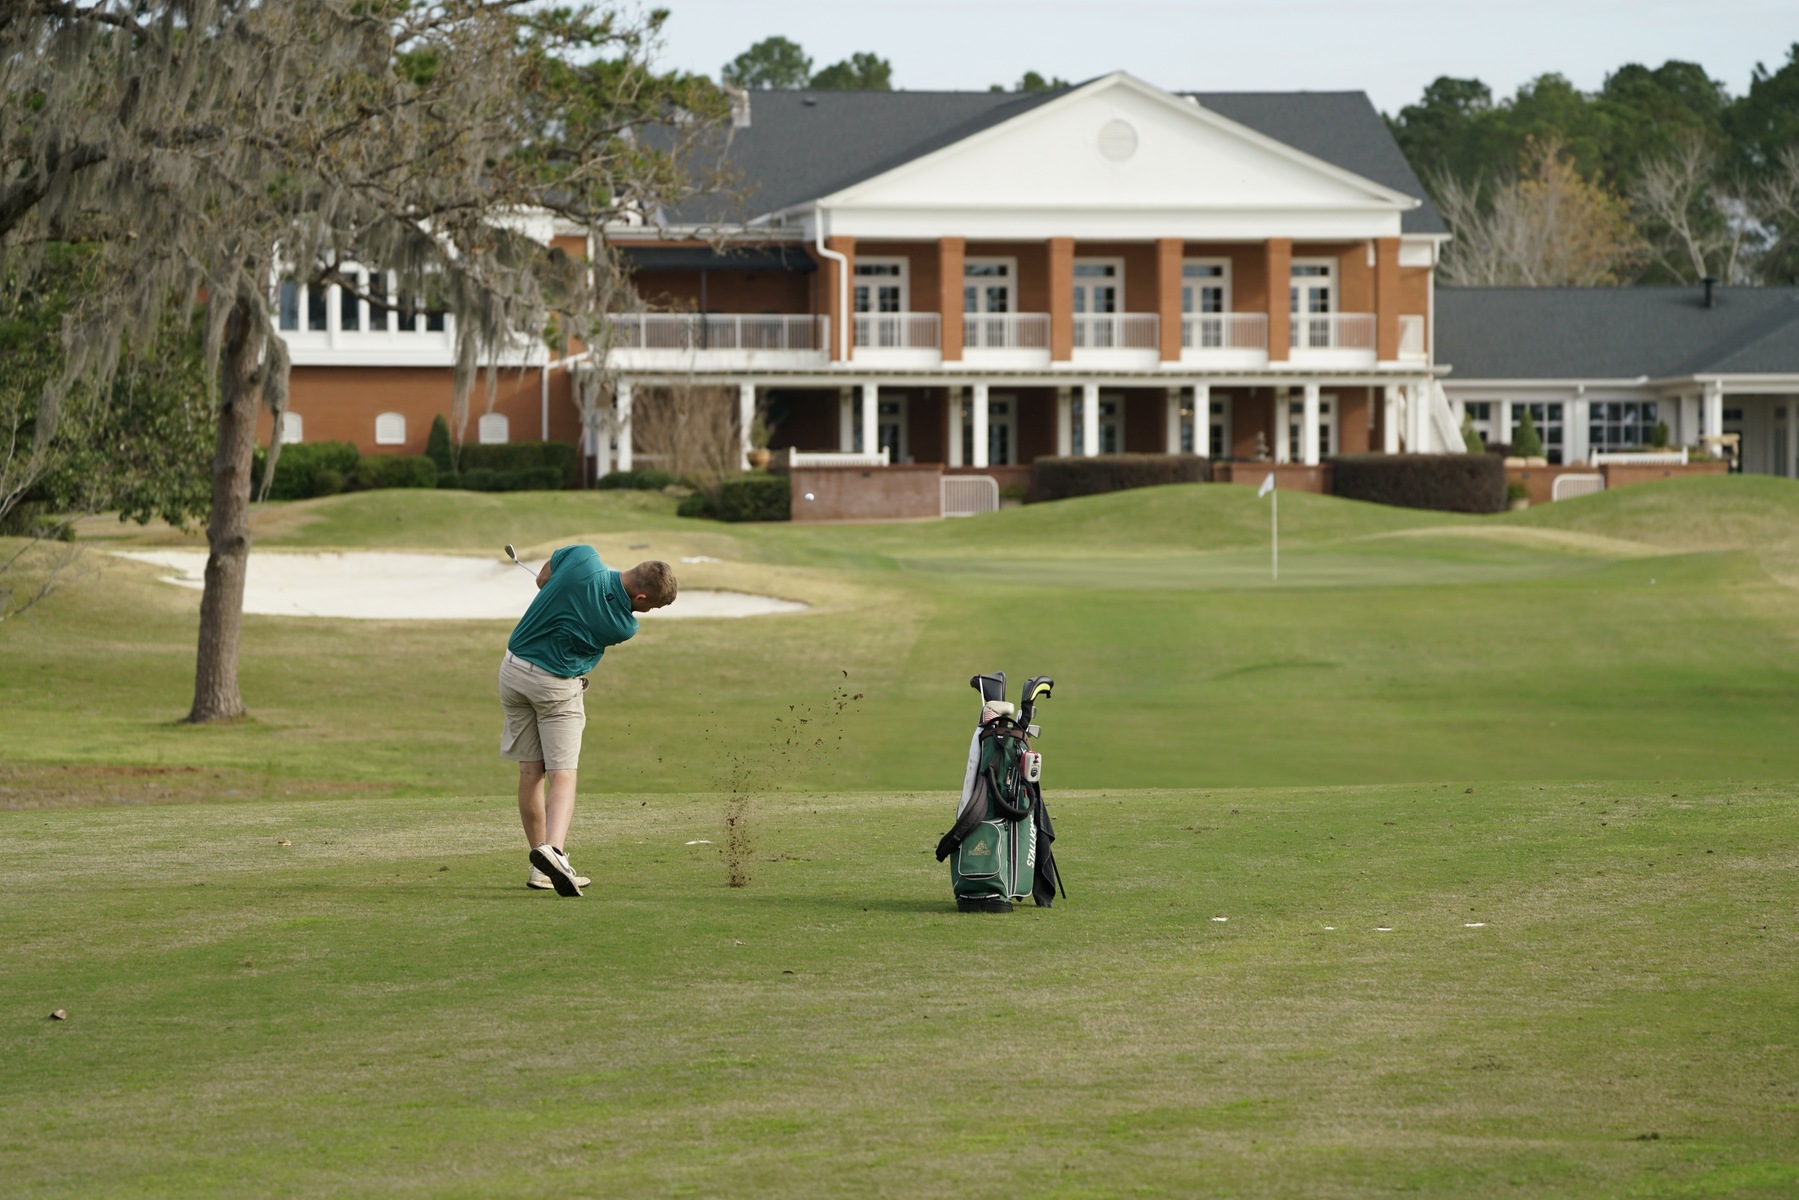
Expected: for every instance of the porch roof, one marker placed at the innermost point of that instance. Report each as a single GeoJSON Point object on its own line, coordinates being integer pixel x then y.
{"type": "Point", "coordinates": [1616, 333]}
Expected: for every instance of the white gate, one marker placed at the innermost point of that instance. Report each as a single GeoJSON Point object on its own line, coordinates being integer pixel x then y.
{"type": "Point", "coordinates": [969, 495]}
{"type": "Point", "coordinates": [1566, 487]}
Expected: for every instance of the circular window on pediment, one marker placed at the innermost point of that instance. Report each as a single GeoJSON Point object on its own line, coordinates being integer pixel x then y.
{"type": "Point", "coordinates": [1117, 140]}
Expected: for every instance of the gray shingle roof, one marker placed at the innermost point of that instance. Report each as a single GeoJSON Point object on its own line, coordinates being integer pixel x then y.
{"type": "Point", "coordinates": [1616, 333]}
{"type": "Point", "coordinates": [803, 145]}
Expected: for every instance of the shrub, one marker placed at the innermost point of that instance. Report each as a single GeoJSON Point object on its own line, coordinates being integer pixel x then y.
{"type": "Point", "coordinates": [449, 479]}
{"type": "Point", "coordinates": [326, 481]}
{"type": "Point", "coordinates": [297, 466]}
{"type": "Point", "coordinates": [650, 480]}
{"type": "Point", "coordinates": [1658, 435]}
{"type": "Point", "coordinates": [1445, 482]}
{"type": "Point", "coordinates": [1061, 478]}
{"type": "Point", "coordinates": [1516, 491]}
{"type": "Point", "coordinates": [697, 505]}
{"type": "Point", "coordinates": [437, 445]}
{"type": "Point", "coordinates": [1528, 443]}
{"type": "Point", "coordinates": [1471, 438]}
{"type": "Point", "coordinates": [754, 497]}
{"type": "Point", "coordinates": [396, 471]}
{"type": "Point", "coordinates": [520, 456]}
{"type": "Point", "coordinates": [479, 479]}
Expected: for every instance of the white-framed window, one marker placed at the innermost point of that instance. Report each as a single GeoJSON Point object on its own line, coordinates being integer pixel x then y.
{"type": "Point", "coordinates": [1098, 285]}
{"type": "Point", "coordinates": [987, 285]}
{"type": "Point", "coordinates": [390, 429]}
{"type": "Point", "coordinates": [1312, 293]}
{"type": "Point", "coordinates": [1111, 424]}
{"type": "Point", "coordinates": [493, 429]}
{"type": "Point", "coordinates": [1002, 429]}
{"type": "Point", "coordinates": [1327, 427]}
{"type": "Point", "coordinates": [1615, 425]}
{"type": "Point", "coordinates": [890, 426]}
{"type": "Point", "coordinates": [1218, 422]}
{"type": "Point", "coordinates": [1480, 414]}
{"type": "Point", "coordinates": [882, 285]}
{"type": "Point", "coordinates": [1206, 285]}
{"type": "Point", "coordinates": [292, 428]}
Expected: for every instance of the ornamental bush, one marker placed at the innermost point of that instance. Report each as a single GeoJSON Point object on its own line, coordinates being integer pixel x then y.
{"type": "Point", "coordinates": [297, 468]}
{"type": "Point", "coordinates": [437, 446]}
{"type": "Point", "coordinates": [392, 471]}
{"type": "Point", "coordinates": [648, 480]}
{"type": "Point", "coordinates": [1061, 478]}
{"type": "Point", "coordinates": [754, 497]}
{"type": "Point", "coordinates": [522, 456]}
{"type": "Point", "coordinates": [1527, 442]}
{"type": "Point", "coordinates": [1473, 483]}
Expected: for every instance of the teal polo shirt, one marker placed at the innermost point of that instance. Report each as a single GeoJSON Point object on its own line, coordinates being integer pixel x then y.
{"type": "Point", "coordinates": [582, 610]}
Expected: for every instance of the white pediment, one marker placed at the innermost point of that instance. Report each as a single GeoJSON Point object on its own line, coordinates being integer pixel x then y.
{"type": "Point", "coordinates": [1121, 158]}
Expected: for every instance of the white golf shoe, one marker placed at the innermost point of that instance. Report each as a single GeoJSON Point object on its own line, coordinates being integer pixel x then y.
{"type": "Point", "coordinates": [554, 864]}
{"type": "Point", "coordinates": [543, 883]}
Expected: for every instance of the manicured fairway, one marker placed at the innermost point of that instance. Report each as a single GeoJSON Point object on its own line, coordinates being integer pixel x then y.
{"type": "Point", "coordinates": [1536, 773]}
{"type": "Point", "coordinates": [1585, 990]}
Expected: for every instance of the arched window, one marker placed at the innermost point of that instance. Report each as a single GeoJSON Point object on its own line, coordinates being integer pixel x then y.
{"type": "Point", "coordinates": [292, 428]}
{"type": "Point", "coordinates": [390, 429]}
{"type": "Point", "coordinates": [494, 429]}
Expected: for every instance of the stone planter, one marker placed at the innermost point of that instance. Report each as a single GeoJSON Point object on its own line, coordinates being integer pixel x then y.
{"type": "Point", "coordinates": [759, 459]}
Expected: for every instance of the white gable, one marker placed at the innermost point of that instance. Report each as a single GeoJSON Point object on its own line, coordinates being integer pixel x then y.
{"type": "Point", "coordinates": [1118, 158]}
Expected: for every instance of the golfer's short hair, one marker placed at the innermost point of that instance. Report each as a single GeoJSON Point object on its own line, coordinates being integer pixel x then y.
{"type": "Point", "coordinates": [655, 580]}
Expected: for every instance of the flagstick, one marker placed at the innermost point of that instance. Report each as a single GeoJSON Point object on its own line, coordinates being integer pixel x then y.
{"type": "Point", "coordinates": [1275, 511]}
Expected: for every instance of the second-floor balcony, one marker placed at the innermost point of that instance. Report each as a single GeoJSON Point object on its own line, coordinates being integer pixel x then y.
{"type": "Point", "coordinates": [1332, 331]}
{"type": "Point", "coordinates": [728, 339]}
{"type": "Point", "coordinates": [1117, 338]}
{"type": "Point", "coordinates": [898, 338]}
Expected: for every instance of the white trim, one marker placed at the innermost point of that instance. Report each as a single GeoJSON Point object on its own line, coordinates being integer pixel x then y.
{"type": "Point", "coordinates": [1011, 283]}
{"type": "Point", "coordinates": [1223, 282]}
{"type": "Point", "coordinates": [902, 280]}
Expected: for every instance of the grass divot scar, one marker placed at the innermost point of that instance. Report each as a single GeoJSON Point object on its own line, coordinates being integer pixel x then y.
{"type": "Point", "coordinates": [1000, 846]}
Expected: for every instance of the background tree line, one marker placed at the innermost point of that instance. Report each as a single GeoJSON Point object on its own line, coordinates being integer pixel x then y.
{"type": "Point", "coordinates": [1661, 176]}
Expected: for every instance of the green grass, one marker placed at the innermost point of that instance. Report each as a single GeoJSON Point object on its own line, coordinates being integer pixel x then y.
{"type": "Point", "coordinates": [381, 1009]}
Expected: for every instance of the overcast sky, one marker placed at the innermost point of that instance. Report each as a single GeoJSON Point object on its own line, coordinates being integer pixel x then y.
{"type": "Point", "coordinates": [1388, 48]}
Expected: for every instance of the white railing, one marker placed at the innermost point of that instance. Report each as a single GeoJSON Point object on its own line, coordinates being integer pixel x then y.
{"type": "Point", "coordinates": [1006, 331]}
{"type": "Point", "coordinates": [896, 331]}
{"type": "Point", "coordinates": [1566, 487]}
{"type": "Point", "coordinates": [836, 458]}
{"type": "Point", "coordinates": [970, 495]}
{"type": "Point", "coordinates": [719, 331]}
{"type": "Point", "coordinates": [1115, 331]}
{"type": "Point", "coordinates": [1224, 331]}
{"type": "Point", "coordinates": [1332, 331]}
{"type": "Point", "coordinates": [1641, 458]}
{"type": "Point", "coordinates": [1411, 337]}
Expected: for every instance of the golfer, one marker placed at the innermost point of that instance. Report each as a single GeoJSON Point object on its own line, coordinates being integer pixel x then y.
{"type": "Point", "coordinates": [582, 607]}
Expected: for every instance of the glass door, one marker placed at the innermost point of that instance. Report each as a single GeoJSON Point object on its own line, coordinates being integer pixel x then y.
{"type": "Point", "coordinates": [1311, 300]}
{"type": "Point", "coordinates": [1098, 292]}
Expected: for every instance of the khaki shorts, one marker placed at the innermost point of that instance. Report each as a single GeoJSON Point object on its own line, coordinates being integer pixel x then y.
{"type": "Point", "coordinates": [544, 715]}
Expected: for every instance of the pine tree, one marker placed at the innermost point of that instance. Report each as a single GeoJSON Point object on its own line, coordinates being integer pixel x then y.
{"type": "Point", "coordinates": [1527, 442]}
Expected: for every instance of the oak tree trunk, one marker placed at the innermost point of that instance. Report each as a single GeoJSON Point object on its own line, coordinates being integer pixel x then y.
{"type": "Point", "coordinates": [216, 697]}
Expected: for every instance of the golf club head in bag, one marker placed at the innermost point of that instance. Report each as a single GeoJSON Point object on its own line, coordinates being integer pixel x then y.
{"type": "Point", "coordinates": [1036, 688]}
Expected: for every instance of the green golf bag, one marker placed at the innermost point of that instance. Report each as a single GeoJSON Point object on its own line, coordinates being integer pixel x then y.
{"type": "Point", "coordinates": [999, 849]}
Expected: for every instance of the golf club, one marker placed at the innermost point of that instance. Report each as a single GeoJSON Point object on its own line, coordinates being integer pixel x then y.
{"type": "Point", "coordinates": [513, 555]}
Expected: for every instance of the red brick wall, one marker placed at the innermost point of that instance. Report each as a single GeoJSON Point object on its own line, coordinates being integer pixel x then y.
{"type": "Point", "coordinates": [340, 404]}
{"type": "Point", "coordinates": [1145, 421]}
{"type": "Point", "coordinates": [927, 424]}
{"type": "Point", "coordinates": [811, 420]}
{"type": "Point", "coordinates": [867, 494]}
{"type": "Point", "coordinates": [1252, 412]}
{"type": "Point", "coordinates": [1036, 423]}
{"type": "Point", "coordinates": [1352, 420]}
{"type": "Point", "coordinates": [1288, 477]}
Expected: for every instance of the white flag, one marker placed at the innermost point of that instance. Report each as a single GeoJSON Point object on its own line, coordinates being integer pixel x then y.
{"type": "Point", "coordinates": [1267, 486]}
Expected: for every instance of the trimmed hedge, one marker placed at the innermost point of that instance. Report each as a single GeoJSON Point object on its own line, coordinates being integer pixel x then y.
{"type": "Point", "coordinates": [390, 471]}
{"type": "Point", "coordinates": [1471, 483]}
{"type": "Point", "coordinates": [297, 470]}
{"type": "Point", "coordinates": [524, 456]}
{"type": "Point", "coordinates": [523, 479]}
{"type": "Point", "coordinates": [1062, 478]}
{"type": "Point", "coordinates": [649, 480]}
{"type": "Point", "coordinates": [754, 497]}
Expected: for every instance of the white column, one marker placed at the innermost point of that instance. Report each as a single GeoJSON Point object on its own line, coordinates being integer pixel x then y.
{"type": "Point", "coordinates": [1202, 421]}
{"type": "Point", "coordinates": [746, 416]}
{"type": "Point", "coordinates": [1283, 416]}
{"type": "Point", "coordinates": [599, 440]}
{"type": "Point", "coordinates": [1089, 420]}
{"type": "Point", "coordinates": [1576, 433]}
{"type": "Point", "coordinates": [622, 401]}
{"type": "Point", "coordinates": [1389, 419]}
{"type": "Point", "coordinates": [978, 426]}
{"type": "Point", "coordinates": [1064, 422]}
{"type": "Point", "coordinates": [1308, 428]}
{"type": "Point", "coordinates": [871, 438]}
{"type": "Point", "coordinates": [1711, 417]}
{"type": "Point", "coordinates": [1171, 421]}
{"type": "Point", "coordinates": [956, 457]}
{"type": "Point", "coordinates": [1793, 436]}
{"type": "Point", "coordinates": [846, 420]}
{"type": "Point", "coordinates": [1503, 430]}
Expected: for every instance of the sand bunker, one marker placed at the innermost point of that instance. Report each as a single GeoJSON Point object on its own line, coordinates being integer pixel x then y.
{"type": "Point", "coordinates": [412, 587]}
